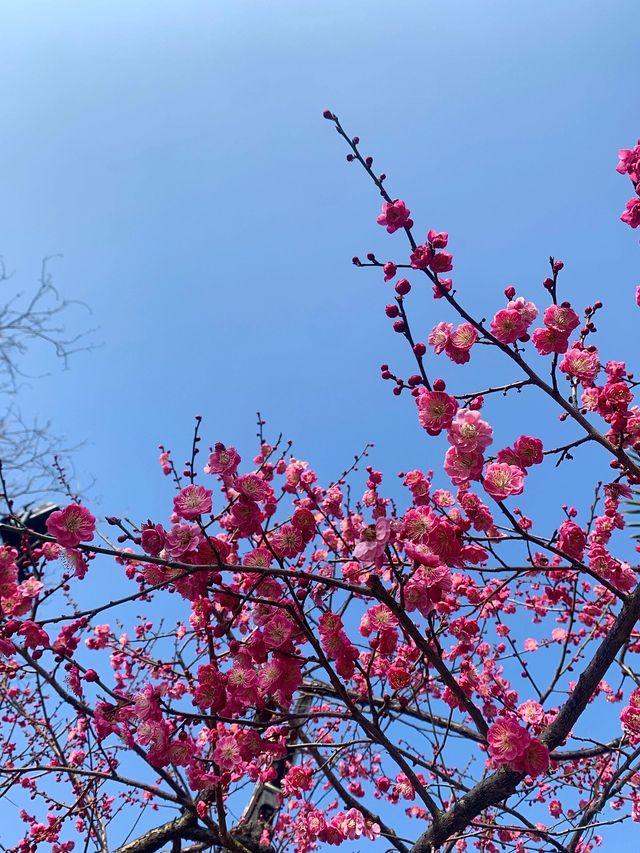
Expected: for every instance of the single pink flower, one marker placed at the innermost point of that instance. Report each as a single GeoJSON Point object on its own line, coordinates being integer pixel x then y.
{"type": "Point", "coordinates": [581, 364]}
{"type": "Point", "coordinates": [531, 712]}
{"type": "Point", "coordinates": [527, 310]}
{"type": "Point", "coordinates": [629, 162]}
{"type": "Point", "coordinates": [246, 516]}
{"type": "Point", "coordinates": [287, 541]}
{"type": "Point", "coordinates": [562, 318]}
{"type": "Point", "coordinates": [421, 257]}
{"type": "Point", "coordinates": [436, 410]}
{"type": "Point", "coordinates": [370, 550]}
{"type": "Point", "coordinates": [278, 631]}
{"type": "Point", "coordinates": [632, 213]}
{"type": "Point", "coordinates": [507, 740]}
{"type": "Point", "coordinates": [253, 487]}
{"type": "Point", "coordinates": [152, 538]}
{"type": "Point", "coordinates": [192, 501]}
{"type": "Point", "coordinates": [549, 340]}
{"type": "Point", "coordinates": [351, 824]}
{"type": "Point", "coordinates": [395, 215]}
{"type": "Point", "coordinates": [463, 465]}
{"type": "Point", "coordinates": [502, 480]}
{"type": "Point", "coordinates": [223, 461]}
{"type": "Point", "coordinates": [572, 539]}
{"type": "Point", "coordinates": [438, 239]}
{"type": "Point", "coordinates": [459, 343]}
{"type": "Point", "coordinates": [227, 753]}
{"type": "Point", "coordinates": [469, 432]}
{"type": "Point", "coordinates": [508, 325]}
{"type": "Point", "coordinates": [464, 337]}
{"type": "Point", "coordinates": [534, 761]}
{"type": "Point", "coordinates": [181, 539]}
{"type": "Point", "coordinates": [71, 526]}
{"type": "Point", "coordinates": [442, 262]}
{"type": "Point", "coordinates": [528, 451]}
{"type": "Point", "coordinates": [439, 336]}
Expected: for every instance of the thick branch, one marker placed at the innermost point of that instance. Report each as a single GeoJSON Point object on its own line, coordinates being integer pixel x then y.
{"type": "Point", "coordinates": [501, 784]}
{"type": "Point", "coordinates": [154, 839]}
{"type": "Point", "coordinates": [185, 828]}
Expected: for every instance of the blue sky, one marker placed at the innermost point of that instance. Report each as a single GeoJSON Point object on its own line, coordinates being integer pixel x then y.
{"type": "Point", "coordinates": [175, 155]}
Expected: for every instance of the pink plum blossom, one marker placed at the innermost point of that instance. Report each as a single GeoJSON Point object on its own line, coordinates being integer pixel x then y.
{"type": "Point", "coordinates": [550, 340]}
{"type": "Point", "coordinates": [508, 325]}
{"type": "Point", "coordinates": [502, 480]}
{"type": "Point", "coordinates": [370, 550]}
{"type": "Point", "coordinates": [562, 318]}
{"type": "Point", "coordinates": [629, 162]}
{"type": "Point", "coordinates": [394, 216]}
{"type": "Point", "coordinates": [631, 214]}
{"type": "Point", "coordinates": [72, 525]}
{"type": "Point", "coordinates": [507, 740]}
{"type": "Point", "coordinates": [581, 364]}
{"type": "Point", "coordinates": [469, 432]}
{"type": "Point", "coordinates": [534, 760]}
{"type": "Point", "coordinates": [223, 461]}
{"type": "Point", "coordinates": [463, 465]}
{"type": "Point", "coordinates": [192, 501]}
{"type": "Point", "coordinates": [436, 410]}
{"type": "Point", "coordinates": [439, 336]}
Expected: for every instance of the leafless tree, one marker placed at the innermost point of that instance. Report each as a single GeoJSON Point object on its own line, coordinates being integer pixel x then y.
{"type": "Point", "coordinates": [33, 323]}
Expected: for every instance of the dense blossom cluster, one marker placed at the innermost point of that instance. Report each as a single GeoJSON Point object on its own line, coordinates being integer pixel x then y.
{"type": "Point", "coordinates": [362, 649]}
{"type": "Point", "coordinates": [511, 744]}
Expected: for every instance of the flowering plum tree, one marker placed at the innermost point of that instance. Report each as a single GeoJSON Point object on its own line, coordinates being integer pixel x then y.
{"type": "Point", "coordinates": [442, 673]}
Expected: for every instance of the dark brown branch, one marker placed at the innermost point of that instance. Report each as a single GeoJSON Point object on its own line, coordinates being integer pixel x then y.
{"type": "Point", "coordinates": [501, 784]}
{"type": "Point", "coordinates": [432, 656]}
{"type": "Point", "coordinates": [184, 827]}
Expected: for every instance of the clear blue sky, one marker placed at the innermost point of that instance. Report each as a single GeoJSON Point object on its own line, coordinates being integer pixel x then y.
{"type": "Point", "coordinates": [174, 153]}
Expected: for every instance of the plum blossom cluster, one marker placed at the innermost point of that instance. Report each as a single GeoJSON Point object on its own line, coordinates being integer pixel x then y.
{"type": "Point", "coordinates": [613, 401]}
{"type": "Point", "coordinates": [470, 436]}
{"type": "Point", "coordinates": [630, 717]}
{"type": "Point", "coordinates": [455, 342]}
{"type": "Point", "coordinates": [511, 744]}
{"type": "Point", "coordinates": [512, 323]}
{"type": "Point", "coordinates": [628, 164]}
